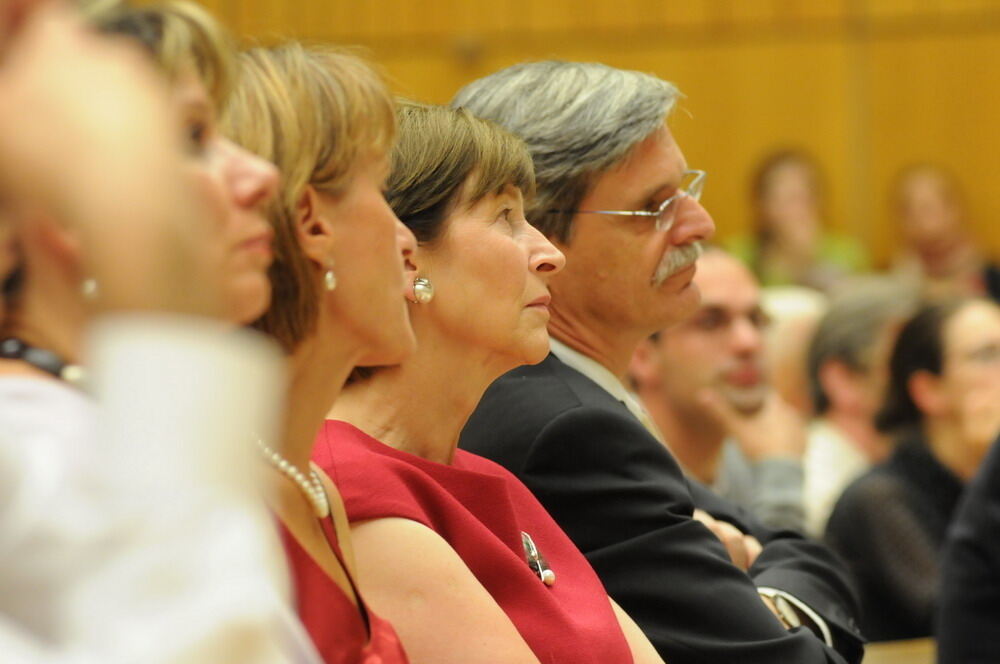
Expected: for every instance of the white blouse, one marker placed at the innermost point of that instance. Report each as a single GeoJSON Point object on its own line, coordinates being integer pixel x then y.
{"type": "Point", "coordinates": [132, 526]}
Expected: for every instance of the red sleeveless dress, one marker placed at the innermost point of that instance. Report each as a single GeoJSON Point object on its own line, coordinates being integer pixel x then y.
{"type": "Point", "coordinates": [481, 510]}
{"type": "Point", "coordinates": [341, 632]}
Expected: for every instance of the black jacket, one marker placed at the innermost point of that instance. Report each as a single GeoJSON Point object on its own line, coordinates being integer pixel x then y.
{"type": "Point", "coordinates": [621, 497]}
{"type": "Point", "coordinates": [970, 574]}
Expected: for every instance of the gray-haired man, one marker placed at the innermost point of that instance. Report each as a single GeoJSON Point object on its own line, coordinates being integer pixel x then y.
{"type": "Point", "coordinates": [616, 195]}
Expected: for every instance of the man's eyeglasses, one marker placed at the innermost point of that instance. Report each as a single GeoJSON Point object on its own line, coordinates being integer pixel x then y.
{"type": "Point", "coordinates": [692, 185]}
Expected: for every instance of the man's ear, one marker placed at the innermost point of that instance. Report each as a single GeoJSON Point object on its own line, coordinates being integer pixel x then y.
{"type": "Point", "coordinates": [927, 393]}
{"type": "Point", "coordinates": [59, 242]}
{"type": "Point", "coordinates": [644, 367]}
{"type": "Point", "coordinates": [313, 228]}
{"type": "Point", "coordinates": [841, 385]}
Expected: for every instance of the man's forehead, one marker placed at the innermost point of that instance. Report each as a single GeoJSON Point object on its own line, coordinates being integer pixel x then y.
{"type": "Point", "coordinates": [724, 282]}
{"type": "Point", "coordinates": [731, 301]}
{"type": "Point", "coordinates": [653, 164]}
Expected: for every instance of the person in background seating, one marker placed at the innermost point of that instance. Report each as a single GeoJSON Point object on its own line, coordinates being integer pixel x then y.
{"type": "Point", "coordinates": [704, 382]}
{"type": "Point", "coordinates": [942, 407]}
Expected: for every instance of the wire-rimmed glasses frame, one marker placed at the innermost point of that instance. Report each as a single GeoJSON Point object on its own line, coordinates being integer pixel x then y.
{"type": "Point", "coordinates": [667, 212]}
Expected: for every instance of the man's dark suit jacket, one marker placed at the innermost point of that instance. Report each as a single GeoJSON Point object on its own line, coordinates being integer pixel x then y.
{"type": "Point", "coordinates": [969, 612]}
{"type": "Point", "coordinates": [621, 497]}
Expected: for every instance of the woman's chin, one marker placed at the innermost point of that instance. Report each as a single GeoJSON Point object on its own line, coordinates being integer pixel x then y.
{"type": "Point", "coordinates": [537, 350]}
{"type": "Point", "coordinates": [248, 300]}
{"type": "Point", "coordinates": [391, 349]}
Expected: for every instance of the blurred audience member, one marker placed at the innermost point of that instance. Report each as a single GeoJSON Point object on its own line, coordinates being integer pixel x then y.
{"type": "Point", "coordinates": [794, 312]}
{"type": "Point", "coordinates": [942, 407]}
{"type": "Point", "coordinates": [969, 610]}
{"type": "Point", "coordinates": [790, 244]}
{"type": "Point", "coordinates": [131, 522]}
{"type": "Point", "coordinates": [326, 119]}
{"type": "Point", "coordinates": [938, 253]}
{"type": "Point", "coordinates": [8, 256]}
{"type": "Point", "coordinates": [847, 360]}
{"type": "Point", "coordinates": [704, 382]}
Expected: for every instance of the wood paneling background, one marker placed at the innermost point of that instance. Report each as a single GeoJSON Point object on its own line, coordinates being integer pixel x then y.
{"type": "Point", "coordinates": [865, 85]}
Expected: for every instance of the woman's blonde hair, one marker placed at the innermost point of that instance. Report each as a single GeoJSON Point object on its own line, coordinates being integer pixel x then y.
{"type": "Point", "coordinates": [313, 112]}
{"type": "Point", "coordinates": [178, 35]}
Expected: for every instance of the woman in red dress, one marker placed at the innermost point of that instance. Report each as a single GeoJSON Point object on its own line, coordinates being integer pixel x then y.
{"type": "Point", "coordinates": [326, 120]}
{"type": "Point", "coordinates": [451, 547]}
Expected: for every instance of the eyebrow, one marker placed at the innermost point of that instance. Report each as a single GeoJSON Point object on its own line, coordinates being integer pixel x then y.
{"type": "Point", "coordinates": [640, 202]}
{"type": "Point", "coordinates": [650, 193]}
{"type": "Point", "coordinates": [754, 310]}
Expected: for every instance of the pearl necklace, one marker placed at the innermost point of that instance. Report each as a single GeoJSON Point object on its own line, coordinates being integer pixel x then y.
{"type": "Point", "coordinates": [312, 487]}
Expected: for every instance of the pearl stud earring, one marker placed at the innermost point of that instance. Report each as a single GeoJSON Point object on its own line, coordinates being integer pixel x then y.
{"type": "Point", "coordinates": [423, 290]}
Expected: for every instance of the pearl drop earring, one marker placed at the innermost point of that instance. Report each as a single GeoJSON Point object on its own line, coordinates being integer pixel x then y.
{"type": "Point", "coordinates": [89, 289]}
{"type": "Point", "coordinates": [329, 278]}
{"type": "Point", "coordinates": [423, 290]}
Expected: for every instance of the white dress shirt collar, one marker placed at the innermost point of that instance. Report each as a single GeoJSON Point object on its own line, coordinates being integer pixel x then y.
{"type": "Point", "coordinates": [601, 375]}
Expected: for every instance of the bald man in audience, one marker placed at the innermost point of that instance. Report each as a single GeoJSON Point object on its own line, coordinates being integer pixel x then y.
{"type": "Point", "coordinates": [705, 385]}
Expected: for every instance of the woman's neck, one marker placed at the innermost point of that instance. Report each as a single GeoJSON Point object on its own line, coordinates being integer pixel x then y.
{"type": "Point", "coordinates": [317, 371]}
{"type": "Point", "coordinates": [47, 316]}
{"type": "Point", "coordinates": [952, 451]}
{"type": "Point", "coordinates": [421, 406]}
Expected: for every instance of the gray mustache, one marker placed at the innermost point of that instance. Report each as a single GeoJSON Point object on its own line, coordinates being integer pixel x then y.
{"type": "Point", "coordinates": [675, 260]}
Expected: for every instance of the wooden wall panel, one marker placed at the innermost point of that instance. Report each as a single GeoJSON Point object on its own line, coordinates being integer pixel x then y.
{"type": "Point", "coordinates": [937, 98]}
{"type": "Point", "coordinates": [865, 85]}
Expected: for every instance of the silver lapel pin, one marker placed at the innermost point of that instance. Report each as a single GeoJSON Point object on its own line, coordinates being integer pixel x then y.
{"type": "Point", "coordinates": [536, 562]}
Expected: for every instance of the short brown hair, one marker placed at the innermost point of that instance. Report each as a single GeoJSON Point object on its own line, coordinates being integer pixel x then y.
{"type": "Point", "coordinates": [314, 113]}
{"type": "Point", "coordinates": [444, 156]}
{"type": "Point", "coordinates": [438, 150]}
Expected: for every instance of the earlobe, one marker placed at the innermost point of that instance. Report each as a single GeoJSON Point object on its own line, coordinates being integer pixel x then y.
{"type": "Point", "coordinates": [62, 243]}
{"type": "Point", "coordinates": [839, 385]}
{"type": "Point", "coordinates": [925, 390]}
{"type": "Point", "coordinates": [411, 273]}
{"type": "Point", "coordinates": [642, 367]}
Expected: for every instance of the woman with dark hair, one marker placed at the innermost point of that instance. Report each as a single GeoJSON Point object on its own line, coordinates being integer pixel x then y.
{"type": "Point", "coordinates": [942, 407]}
{"type": "Point", "coordinates": [938, 252]}
{"type": "Point", "coordinates": [451, 547]}
{"type": "Point", "coordinates": [789, 243]}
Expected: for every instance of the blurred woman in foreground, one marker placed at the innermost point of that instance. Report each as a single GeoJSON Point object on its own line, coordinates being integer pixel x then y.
{"type": "Point", "coordinates": [105, 498]}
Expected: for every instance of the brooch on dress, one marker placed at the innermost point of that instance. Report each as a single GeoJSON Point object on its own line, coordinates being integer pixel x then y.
{"type": "Point", "coordinates": [536, 562]}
